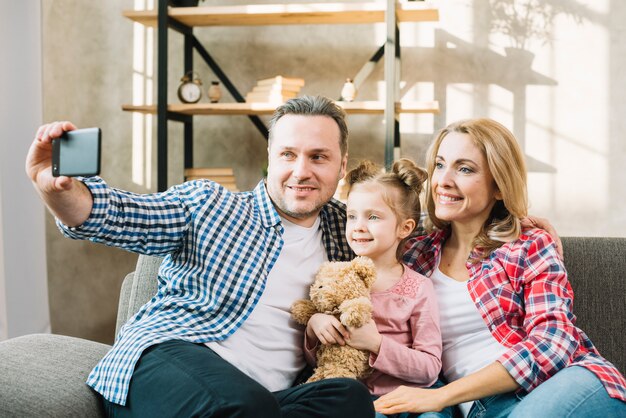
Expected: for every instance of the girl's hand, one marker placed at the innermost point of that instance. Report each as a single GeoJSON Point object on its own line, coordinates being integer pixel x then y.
{"type": "Point", "coordinates": [327, 329]}
{"type": "Point", "coordinates": [406, 399]}
{"type": "Point", "coordinates": [366, 337]}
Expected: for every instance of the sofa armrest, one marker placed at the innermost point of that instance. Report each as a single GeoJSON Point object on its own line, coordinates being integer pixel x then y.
{"type": "Point", "coordinates": [138, 288]}
{"type": "Point", "coordinates": [123, 306]}
{"type": "Point", "coordinates": [43, 375]}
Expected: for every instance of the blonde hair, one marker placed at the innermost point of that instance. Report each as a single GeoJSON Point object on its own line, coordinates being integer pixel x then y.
{"type": "Point", "coordinates": [406, 179]}
{"type": "Point", "coordinates": [506, 164]}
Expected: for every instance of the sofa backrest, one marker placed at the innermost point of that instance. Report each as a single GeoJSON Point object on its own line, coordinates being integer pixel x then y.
{"type": "Point", "coordinates": [596, 269]}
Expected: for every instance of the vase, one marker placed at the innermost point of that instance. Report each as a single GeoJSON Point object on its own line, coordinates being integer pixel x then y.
{"type": "Point", "coordinates": [215, 92]}
{"type": "Point", "coordinates": [348, 92]}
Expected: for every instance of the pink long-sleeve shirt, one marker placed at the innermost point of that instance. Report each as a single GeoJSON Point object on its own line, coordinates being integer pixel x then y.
{"type": "Point", "coordinates": [407, 317]}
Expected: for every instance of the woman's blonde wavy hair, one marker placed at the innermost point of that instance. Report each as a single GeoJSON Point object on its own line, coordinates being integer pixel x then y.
{"type": "Point", "coordinates": [506, 164]}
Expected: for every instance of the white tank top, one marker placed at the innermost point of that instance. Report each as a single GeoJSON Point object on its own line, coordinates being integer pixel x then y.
{"type": "Point", "coordinates": [268, 346]}
{"type": "Point", "coordinates": [467, 343]}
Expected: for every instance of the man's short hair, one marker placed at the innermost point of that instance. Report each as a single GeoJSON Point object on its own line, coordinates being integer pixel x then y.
{"type": "Point", "coordinates": [314, 106]}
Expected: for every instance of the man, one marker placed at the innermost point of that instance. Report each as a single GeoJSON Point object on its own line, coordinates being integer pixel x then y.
{"type": "Point", "coordinates": [217, 339]}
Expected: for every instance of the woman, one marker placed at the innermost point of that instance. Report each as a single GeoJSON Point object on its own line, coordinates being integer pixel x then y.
{"type": "Point", "coordinates": [510, 347]}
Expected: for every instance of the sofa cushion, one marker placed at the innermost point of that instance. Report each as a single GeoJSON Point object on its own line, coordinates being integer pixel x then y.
{"type": "Point", "coordinates": [43, 375]}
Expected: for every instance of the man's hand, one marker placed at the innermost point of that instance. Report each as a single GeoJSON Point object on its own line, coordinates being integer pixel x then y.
{"type": "Point", "coordinates": [39, 159]}
{"type": "Point", "coordinates": [366, 337]}
{"type": "Point", "coordinates": [68, 199]}
{"type": "Point", "coordinates": [543, 223]}
{"type": "Point", "coordinates": [327, 329]}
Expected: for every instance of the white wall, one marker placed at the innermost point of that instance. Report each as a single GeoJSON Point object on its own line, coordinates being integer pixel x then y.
{"type": "Point", "coordinates": [23, 278]}
{"type": "Point", "coordinates": [3, 310]}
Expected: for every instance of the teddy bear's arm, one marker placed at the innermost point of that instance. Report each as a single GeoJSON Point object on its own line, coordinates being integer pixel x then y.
{"type": "Point", "coordinates": [302, 310]}
{"type": "Point", "coordinates": [355, 312]}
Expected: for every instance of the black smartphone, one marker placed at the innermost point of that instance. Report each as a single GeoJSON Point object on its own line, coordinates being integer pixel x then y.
{"type": "Point", "coordinates": [77, 153]}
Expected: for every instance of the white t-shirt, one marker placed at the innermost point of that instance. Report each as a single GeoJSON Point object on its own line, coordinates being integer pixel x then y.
{"type": "Point", "coordinates": [467, 343]}
{"type": "Point", "coordinates": [268, 346]}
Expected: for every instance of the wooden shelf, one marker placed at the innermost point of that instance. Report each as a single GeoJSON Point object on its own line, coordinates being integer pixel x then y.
{"type": "Point", "coordinates": [288, 14]}
{"type": "Point", "coordinates": [209, 108]}
{"type": "Point", "coordinates": [365, 107]}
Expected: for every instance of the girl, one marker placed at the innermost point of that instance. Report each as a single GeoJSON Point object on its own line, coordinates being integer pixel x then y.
{"type": "Point", "coordinates": [510, 344]}
{"type": "Point", "coordinates": [403, 338]}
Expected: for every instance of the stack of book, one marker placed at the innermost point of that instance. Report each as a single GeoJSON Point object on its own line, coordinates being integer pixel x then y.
{"type": "Point", "coordinates": [223, 176]}
{"type": "Point", "coordinates": [275, 90]}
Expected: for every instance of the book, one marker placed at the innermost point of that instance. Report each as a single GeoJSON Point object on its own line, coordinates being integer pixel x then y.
{"type": "Point", "coordinates": [218, 179]}
{"type": "Point", "coordinates": [280, 80]}
{"type": "Point", "coordinates": [232, 186]}
{"type": "Point", "coordinates": [209, 172]}
{"type": "Point", "coordinates": [275, 88]}
{"type": "Point", "coordinates": [269, 97]}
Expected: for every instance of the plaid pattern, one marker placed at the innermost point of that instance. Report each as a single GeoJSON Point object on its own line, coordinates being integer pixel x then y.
{"type": "Point", "coordinates": [219, 247]}
{"type": "Point", "coordinates": [522, 292]}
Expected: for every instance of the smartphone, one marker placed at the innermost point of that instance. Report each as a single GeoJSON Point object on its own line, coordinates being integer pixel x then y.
{"type": "Point", "coordinates": [77, 153]}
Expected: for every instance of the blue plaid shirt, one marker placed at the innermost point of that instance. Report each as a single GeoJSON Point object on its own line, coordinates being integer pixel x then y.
{"type": "Point", "coordinates": [219, 248]}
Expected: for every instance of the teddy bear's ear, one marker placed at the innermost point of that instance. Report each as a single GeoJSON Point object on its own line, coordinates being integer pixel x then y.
{"type": "Point", "coordinates": [326, 269]}
{"type": "Point", "coordinates": [364, 268]}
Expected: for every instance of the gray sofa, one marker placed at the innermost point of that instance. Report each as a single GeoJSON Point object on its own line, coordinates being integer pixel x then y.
{"type": "Point", "coordinates": [43, 375]}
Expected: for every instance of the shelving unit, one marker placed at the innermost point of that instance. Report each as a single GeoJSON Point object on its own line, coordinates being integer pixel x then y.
{"type": "Point", "coordinates": [185, 19]}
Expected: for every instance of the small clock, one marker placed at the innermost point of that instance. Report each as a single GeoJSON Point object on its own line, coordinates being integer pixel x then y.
{"type": "Point", "coordinates": [189, 90]}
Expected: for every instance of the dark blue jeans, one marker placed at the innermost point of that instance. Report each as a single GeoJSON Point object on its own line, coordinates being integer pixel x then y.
{"type": "Point", "coordinates": [181, 379]}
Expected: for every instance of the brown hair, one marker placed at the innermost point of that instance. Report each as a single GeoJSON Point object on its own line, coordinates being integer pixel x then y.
{"type": "Point", "coordinates": [314, 106]}
{"type": "Point", "coordinates": [506, 164]}
{"type": "Point", "coordinates": [406, 179]}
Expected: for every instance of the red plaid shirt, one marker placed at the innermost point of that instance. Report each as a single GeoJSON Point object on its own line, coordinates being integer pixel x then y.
{"type": "Point", "coordinates": [522, 292]}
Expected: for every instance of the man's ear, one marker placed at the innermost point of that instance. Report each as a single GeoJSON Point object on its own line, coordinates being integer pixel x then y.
{"type": "Point", "coordinates": [269, 157]}
{"type": "Point", "coordinates": [344, 164]}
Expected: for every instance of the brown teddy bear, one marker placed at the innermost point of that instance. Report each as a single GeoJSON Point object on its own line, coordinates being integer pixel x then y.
{"type": "Point", "coordinates": [341, 289]}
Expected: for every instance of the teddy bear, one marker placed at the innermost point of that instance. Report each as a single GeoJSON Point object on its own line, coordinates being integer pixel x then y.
{"type": "Point", "coordinates": [341, 289]}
